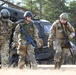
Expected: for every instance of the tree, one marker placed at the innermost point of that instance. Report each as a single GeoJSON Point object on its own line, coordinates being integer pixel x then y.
{"type": "Point", "coordinates": [46, 7]}
{"type": "Point", "coordinates": [53, 9]}
{"type": "Point", "coordinates": [72, 15]}
{"type": "Point", "coordinates": [31, 5]}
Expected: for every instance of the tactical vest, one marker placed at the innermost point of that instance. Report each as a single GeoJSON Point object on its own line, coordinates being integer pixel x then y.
{"type": "Point", "coordinates": [5, 28]}
{"type": "Point", "coordinates": [59, 29]}
{"type": "Point", "coordinates": [29, 28]}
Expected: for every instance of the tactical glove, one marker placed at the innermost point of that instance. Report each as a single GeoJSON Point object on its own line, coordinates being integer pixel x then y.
{"type": "Point", "coordinates": [49, 45]}
{"type": "Point", "coordinates": [70, 37]}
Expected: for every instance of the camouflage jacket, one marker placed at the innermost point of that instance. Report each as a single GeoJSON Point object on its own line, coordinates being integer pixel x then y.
{"type": "Point", "coordinates": [30, 30]}
{"type": "Point", "coordinates": [6, 28]}
{"type": "Point", "coordinates": [56, 31]}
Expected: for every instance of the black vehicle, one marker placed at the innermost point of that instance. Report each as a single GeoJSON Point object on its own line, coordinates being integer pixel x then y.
{"type": "Point", "coordinates": [15, 13]}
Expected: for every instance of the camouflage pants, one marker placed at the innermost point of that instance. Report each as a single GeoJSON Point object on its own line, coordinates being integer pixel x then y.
{"type": "Point", "coordinates": [31, 57]}
{"type": "Point", "coordinates": [27, 53]}
{"type": "Point", "coordinates": [4, 51]}
{"type": "Point", "coordinates": [22, 53]}
{"type": "Point", "coordinates": [60, 54]}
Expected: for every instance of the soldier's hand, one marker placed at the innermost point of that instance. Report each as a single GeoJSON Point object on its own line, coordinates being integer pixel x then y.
{"type": "Point", "coordinates": [39, 44]}
{"type": "Point", "coordinates": [70, 37]}
{"type": "Point", "coordinates": [49, 45]}
{"type": "Point", "coordinates": [14, 44]}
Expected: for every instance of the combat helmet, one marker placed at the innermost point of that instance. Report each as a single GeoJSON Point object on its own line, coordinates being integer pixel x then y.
{"type": "Point", "coordinates": [64, 16]}
{"type": "Point", "coordinates": [28, 14]}
{"type": "Point", "coordinates": [5, 14]}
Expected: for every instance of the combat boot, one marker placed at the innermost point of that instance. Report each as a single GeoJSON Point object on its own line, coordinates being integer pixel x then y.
{"type": "Point", "coordinates": [34, 66]}
{"type": "Point", "coordinates": [21, 66]}
{"type": "Point", "coordinates": [57, 65]}
{"type": "Point", "coordinates": [28, 66]}
{"type": "Point", "coordinates": [0, 66]}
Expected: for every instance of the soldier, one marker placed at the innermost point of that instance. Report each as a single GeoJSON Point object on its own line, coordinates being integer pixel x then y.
{"type": "Point", "coordinates": [6, 26]}
{"type": "Point", "coordinates": [56, 34]}
{"type": "Point", "coordinates": [20, 42]}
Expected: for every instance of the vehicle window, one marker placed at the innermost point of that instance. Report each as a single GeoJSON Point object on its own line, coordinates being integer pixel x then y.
{"type": "Point", "coordinates": [47, 28]}
{"type": "Point", "coordinates": [38, 27]}
{"type": "Point", "coordinates": [46, 31]}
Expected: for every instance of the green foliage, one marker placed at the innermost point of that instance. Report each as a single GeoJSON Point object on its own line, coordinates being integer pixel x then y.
{"type": "Point", "coordinates": [53, 9]}
{"type": "Point", "coordinates": [47, 9]}
{"type": "Point", "coordinates": [72, 14]}
{"type": "Point", "coordinates": [31, 5]}
{"type": "Point", "coordinates": [72, 11]}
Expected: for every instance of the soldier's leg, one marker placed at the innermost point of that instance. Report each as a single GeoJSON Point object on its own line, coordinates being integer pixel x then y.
{"type": "Point", "coordinates": [31, 55]}
{"type": "Point", "coordinates": [21, 62]}
{"type": "Point", "coordinates": [5, 54]}
{"type": "Point", "coordinates": [61, 61]}
{"type": "Point", "coordinates": [1, 43]}
{"type": "Point", "coordinates": [0, 59]}
{"type": "Point", "coordinates": [27, 61]}
{"type": "Point", "coordinates": [57, 58]}
{"type": "Point", "coordinates": [63, 54]}
{"type": "Point", "coordinates": [22, 54]}
{"type": "Point", "coordinates": [33, 62]}
{"type": "Point", "coordinates": [13, 58]}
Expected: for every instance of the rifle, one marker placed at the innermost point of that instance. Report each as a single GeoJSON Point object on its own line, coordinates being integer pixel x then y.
{"type": "Point", "coordinates": [38, 54]}
{"type": "Point", "coordinates": [67, 43]}
{"type": "Point", "coordinates": [28, 38]}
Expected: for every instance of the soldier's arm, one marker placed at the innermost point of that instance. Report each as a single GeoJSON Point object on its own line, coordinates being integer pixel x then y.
{"type": "Point", "coordinates": [11, 24]}
{"type": "Point", "coordinates": [51, 34]}
{"type": "Point", "coordinates": [71, 30]}
{"type": "Point", "coordinates": [36, 37]}
{"type": "Point", "coordinates": [16, 35]}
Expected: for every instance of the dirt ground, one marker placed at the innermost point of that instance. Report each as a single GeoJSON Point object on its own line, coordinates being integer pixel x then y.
{"type": "Point", "coordinates": [42, 70]}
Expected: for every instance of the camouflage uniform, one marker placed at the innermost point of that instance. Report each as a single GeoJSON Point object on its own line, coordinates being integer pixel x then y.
{"type": "Point", "coordinates": [22, 50]}
{"type": "Point", "coordinates": [56, 35]}
{"type": "Point", "coordinates": [5, 32]}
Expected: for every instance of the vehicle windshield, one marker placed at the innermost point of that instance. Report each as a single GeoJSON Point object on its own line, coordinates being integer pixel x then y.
{"type": "Point", "coordinates": [37, 27]}
{"type": "Point", "coordinates": [47, 28]}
